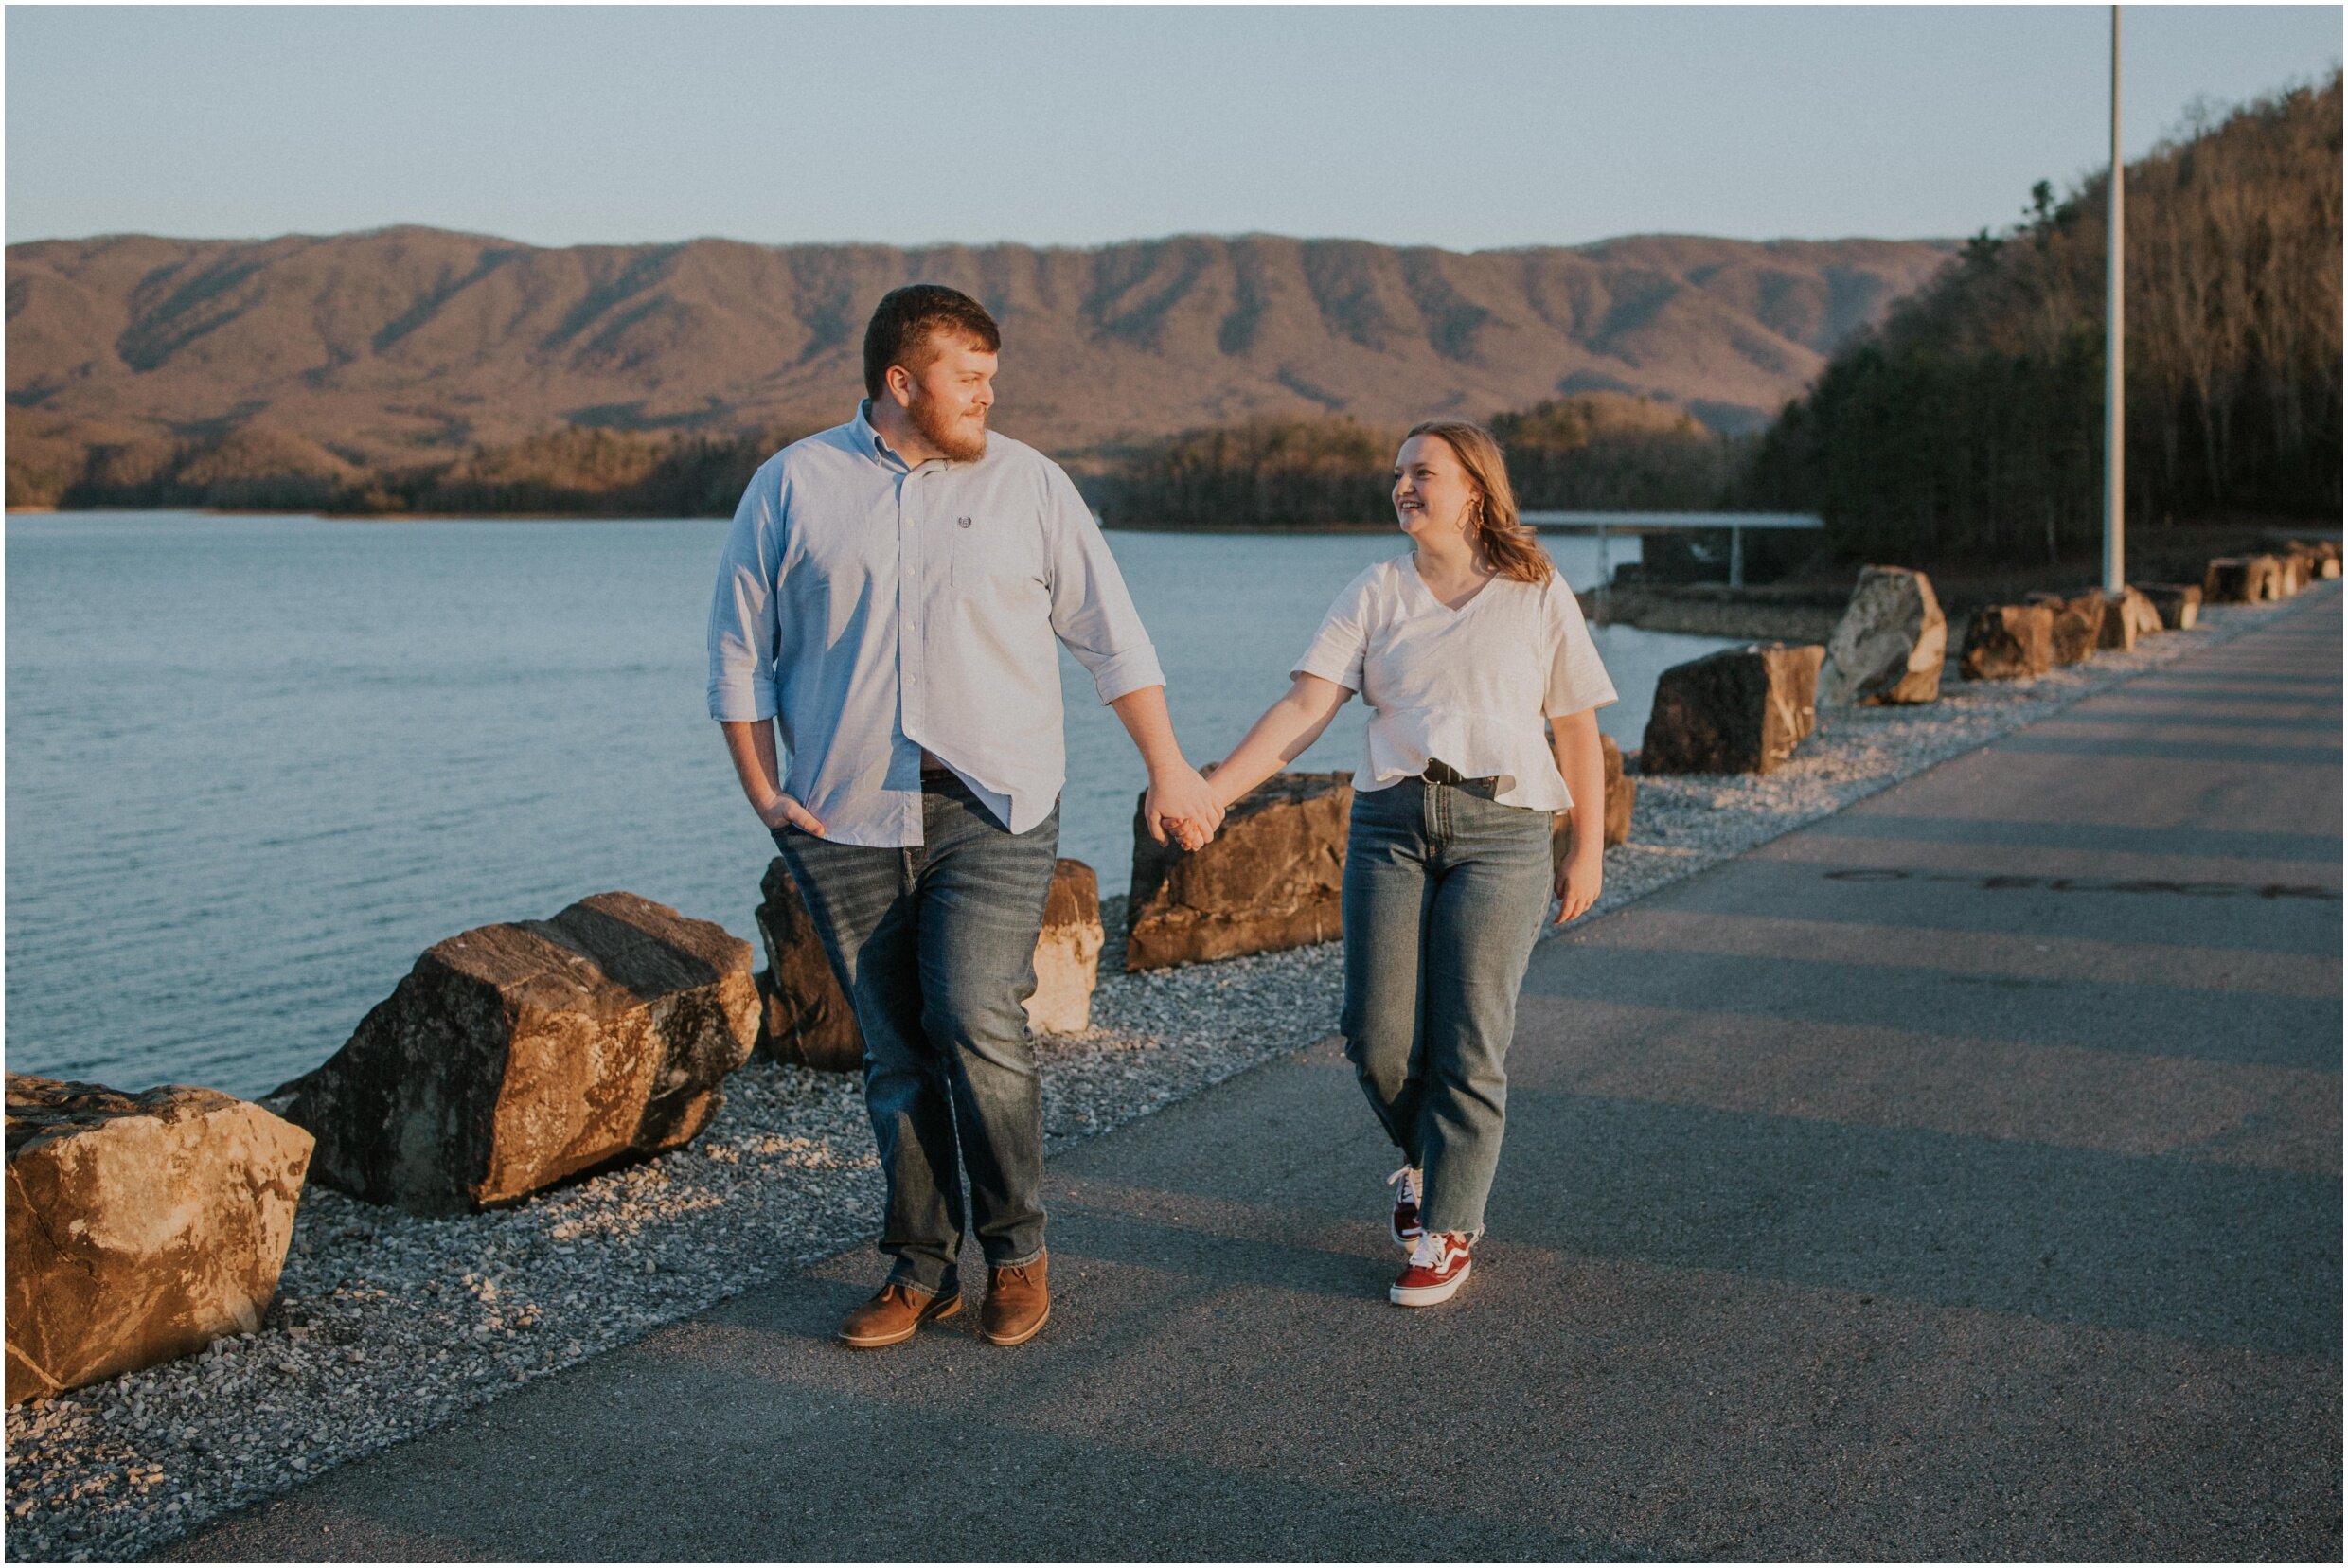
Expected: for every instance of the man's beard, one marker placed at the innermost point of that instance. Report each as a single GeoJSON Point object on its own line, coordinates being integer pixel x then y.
{"type": "Point", "coordinates": [944, 435]}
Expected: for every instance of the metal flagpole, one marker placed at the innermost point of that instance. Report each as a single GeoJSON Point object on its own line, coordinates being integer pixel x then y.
{"type": "Point", "coordinates": [2115, 491]}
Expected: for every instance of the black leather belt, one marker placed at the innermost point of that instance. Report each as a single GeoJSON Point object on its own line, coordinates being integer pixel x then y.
{"type": "Point", "coordinates": [1439, 772]}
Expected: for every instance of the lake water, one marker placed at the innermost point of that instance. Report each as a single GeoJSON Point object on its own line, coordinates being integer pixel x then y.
{"type": "Point", "coordinates": [256, 765]}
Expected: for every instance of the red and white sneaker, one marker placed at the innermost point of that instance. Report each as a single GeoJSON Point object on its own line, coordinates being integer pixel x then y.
{"type": "Point", "coordinates": [1409, 1190]}
{"type": "Point", "coordinates": [1439, 1266]}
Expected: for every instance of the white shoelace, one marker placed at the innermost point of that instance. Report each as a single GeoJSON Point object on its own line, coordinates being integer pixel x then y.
{"type": "Point", "coordinates": [1412, 1186]}
{"type": "Point", "coordinates": [1433, 1251]}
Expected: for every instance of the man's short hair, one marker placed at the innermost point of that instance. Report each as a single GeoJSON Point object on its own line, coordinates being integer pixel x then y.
{"type": "Point", "coordinates": [907, 320]}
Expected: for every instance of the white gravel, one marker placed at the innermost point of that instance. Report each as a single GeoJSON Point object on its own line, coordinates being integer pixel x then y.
{"type": "Point", "coordinates": [387, 1325]}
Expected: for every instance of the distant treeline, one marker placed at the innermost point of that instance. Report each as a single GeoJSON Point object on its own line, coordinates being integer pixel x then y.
{"type": "Point", "coordinates": [602, 472]}
{"type": "Point", "coordinates": [1971, 422]}
{"type": "Point", "coordinates": [1598, 450]}
{"type": "Point", "coordinates": [1265, 472]}
{"type": "Point", "coordinates": [1603, 451]}
{"type": "Point", "coordinates": [573, 470]}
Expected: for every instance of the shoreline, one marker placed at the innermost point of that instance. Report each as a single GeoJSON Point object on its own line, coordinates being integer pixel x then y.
{"type": "Point", "coordinates": [1715, 609]}
{"type": "Point", "coordinates": [387, 1325]}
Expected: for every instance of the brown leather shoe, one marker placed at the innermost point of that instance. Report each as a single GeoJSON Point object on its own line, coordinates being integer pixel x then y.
{"type": "Point", "coordinates": [891, 1317]}
{"type": "Point", "coordinates": [1017, 1302]}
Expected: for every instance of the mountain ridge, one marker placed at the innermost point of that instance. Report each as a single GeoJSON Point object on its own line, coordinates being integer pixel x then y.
{"type": "Point", "coordinates": [409, 344]}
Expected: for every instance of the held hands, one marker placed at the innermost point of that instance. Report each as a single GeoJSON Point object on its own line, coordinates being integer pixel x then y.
{"type": "Point", "coordinates": [1192, 836]}
{"type": "Point", "coordinates": [1182, 807]}
{"type": "Point", "coordinates": [1190, 808]}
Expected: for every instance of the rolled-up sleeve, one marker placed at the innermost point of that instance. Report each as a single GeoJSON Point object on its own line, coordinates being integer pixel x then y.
{"type": "Point", "coordinates": [742, 625]}
{"type": "Point", "coordinates": [1092, 613]}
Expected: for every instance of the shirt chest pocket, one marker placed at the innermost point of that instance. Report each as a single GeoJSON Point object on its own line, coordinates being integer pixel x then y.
{"type": "Point", "coordinates": [996, 555]}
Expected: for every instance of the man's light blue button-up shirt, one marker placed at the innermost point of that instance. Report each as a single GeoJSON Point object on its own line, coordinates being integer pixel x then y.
{"type": "Point", "coordinates": [877, 611]}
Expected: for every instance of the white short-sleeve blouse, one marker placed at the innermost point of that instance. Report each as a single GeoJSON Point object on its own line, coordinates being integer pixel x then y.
{"type": "Point", "coordinates": [1468, 687]}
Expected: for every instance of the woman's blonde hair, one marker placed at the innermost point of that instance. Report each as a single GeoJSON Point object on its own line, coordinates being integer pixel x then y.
{"type": "Point", "coordinates": [1507, 543]}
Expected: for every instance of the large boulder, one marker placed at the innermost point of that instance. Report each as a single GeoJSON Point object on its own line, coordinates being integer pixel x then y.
{"type": "Point", "coordinates": [1890, 644]}
{"type": "Point", "coordinates": [1622, 795]}
{"type": "Point", "coordinates": [2229, 580]}
{"type": "Point", "coordinates": [2078, 623]}
{"type": "Point", "coordinates": [513, 1056]}
{"type": "Point", "coordinates": [1739, 710]}
{"type": "Point", "coordinates": [2242, 580]}
{"type": "Point", "coordinates": [2128, 615]}
{"type": "Point", "coordinates": [1068, 952]}
{"type": "Point", "coordinates": [804, 1017]}
{"type": "Point", "coordinates": [2008, 642]}
{"type": "Point", "coordinates": [140, 1227]}
{"type": "Point", "coordinates": [2318, 559]}
{"type": "Point", "coordinates": [2299, 563]}
{"type": "Point", "coordinates": [2144, 616]}
{"type": "Point", "coordinates": [2177, 604]}
{"type": "Point", "coordinates": [1270, 879]}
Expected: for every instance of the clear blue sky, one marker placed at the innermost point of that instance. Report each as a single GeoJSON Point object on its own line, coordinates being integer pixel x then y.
{"type": "Point", "coordinates": [1461, 128]}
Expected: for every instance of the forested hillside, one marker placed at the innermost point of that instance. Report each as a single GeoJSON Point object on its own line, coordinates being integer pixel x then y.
{"type": "Point", "coordinates": [1594, 450]}
{"type": "Point", "coordinates": [1972, 421]}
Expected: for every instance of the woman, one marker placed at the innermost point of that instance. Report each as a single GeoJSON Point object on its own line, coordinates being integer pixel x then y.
{"type": "Point", "coordinates": [1461, 649]}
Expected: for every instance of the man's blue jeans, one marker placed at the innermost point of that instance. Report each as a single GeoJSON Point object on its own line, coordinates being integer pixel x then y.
{"type": "Point", "coordinates": [1445, 893]}
{"type": "Point", "coordinates": [934, 946]}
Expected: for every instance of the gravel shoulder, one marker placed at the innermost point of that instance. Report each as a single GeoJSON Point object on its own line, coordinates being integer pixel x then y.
{"type": "Point", "coordinates": [387, 1325]}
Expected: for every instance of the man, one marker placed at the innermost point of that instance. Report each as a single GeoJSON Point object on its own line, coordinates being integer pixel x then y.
{"type": "Point", "coordinates": [889, 597]}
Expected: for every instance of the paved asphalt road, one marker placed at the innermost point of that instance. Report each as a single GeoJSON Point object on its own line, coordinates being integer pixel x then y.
{"type": "Point", "coordinates": [1958, 1177]}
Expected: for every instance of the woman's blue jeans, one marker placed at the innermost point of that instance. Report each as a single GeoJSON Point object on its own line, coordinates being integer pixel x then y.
{"type": "Point", "coordinates": [1446, 890]}
{"type": "Point", "coordinates": [935, 946]}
